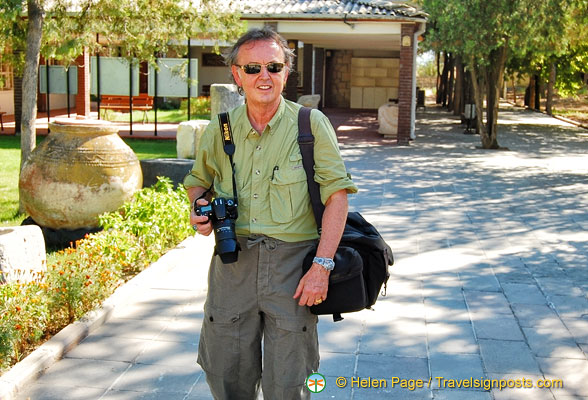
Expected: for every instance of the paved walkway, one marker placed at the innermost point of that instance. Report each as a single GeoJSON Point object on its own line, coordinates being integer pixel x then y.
{"type": "Point", "coordinates": [490, 282]}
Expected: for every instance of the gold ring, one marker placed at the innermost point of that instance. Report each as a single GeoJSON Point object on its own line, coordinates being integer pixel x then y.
{"type": "Point", "coordinates": [318, 301]}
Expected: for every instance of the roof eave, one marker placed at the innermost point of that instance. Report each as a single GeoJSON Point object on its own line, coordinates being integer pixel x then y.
{"type": "Point", "coordinates": [333, 17]}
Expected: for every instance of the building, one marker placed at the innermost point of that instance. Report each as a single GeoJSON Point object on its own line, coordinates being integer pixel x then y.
{"type": "Point", "coordinates": [354, 53]}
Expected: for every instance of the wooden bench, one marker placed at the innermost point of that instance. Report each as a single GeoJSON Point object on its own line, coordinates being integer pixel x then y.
{"type": "Point", "coordinates": [141, 102]}
{"type": "Point", "coordinates": [2, 122]}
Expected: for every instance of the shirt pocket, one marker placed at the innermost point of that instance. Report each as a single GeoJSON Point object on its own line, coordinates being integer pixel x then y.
{"type": "Point", "coordinates": [288, 190]}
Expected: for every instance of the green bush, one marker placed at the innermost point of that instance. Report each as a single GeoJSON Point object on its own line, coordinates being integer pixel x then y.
{"type": "Point", "coordinates": [81, 277]}
{"type": "Point", "coordinates": [198, 105]}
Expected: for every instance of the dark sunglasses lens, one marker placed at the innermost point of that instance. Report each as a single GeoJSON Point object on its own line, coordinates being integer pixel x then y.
{"type": "Point", "coordinates": [274, 68]}
{"type": "Point", "coordinates": [252, 69]}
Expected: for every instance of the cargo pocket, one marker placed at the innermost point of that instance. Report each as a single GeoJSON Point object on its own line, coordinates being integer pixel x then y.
{"type": "Point", "coordinates": [218, 350]}
{"type": "Point", "coordinates": [297, 341]}
{"type": "Point", "coordinates": [287, 189]}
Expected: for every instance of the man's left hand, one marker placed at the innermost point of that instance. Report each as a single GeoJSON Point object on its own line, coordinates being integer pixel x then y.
{"type": "Point", "coordinates": [313, 286]}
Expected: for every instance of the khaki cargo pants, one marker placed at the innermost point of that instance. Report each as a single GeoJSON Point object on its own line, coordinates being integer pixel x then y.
{"type": "Point", "coordinates": [251, 301]}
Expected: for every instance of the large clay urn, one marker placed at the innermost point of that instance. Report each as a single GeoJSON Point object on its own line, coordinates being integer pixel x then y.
{"type": "Point", "coordinates": [81, 170]}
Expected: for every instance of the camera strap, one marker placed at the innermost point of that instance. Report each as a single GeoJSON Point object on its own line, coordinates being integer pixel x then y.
{"type": "Point", "coordinates": [228, 146]}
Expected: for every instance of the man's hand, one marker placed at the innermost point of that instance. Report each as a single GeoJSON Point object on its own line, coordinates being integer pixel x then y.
{"type": "Point", "coordinates": [201, 222]}
{"type": "Point", "coordinates": [313, 286]}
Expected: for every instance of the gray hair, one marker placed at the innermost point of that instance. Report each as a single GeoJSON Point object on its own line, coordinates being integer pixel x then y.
{"type": "Point", "coordinates": [254, 35]}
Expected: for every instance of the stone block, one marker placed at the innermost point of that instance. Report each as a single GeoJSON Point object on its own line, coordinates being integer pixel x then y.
{"type": "Point", "coordinates": [388, 119]}
{"type": "Point", "coordinates": [362, 62]}
{"type": "Point", "coordinates": [369, 97]}
{"type": "Point", "coordinates": [188, 137]}
{"type": "Point", "coordinates": [362, 81]}
{"type": "Point", "coordinates": [359, 71]}
{"type": "Point", "coordinates": [174, 168]}
{"type": "Point", "coordinates": [310, 100]}
{"type": "Point", "coordinates": [392, 93]}
{"type": "Point", "coordinates": [224, 97]}
{"type": "Point", "coordinates": [376, 72]}
{"type": "Point", "coordinates": [507, 356]}
{"type": "Point", "coordinates": [394, 73]}
{"type": "Point", "coordinates": [387, 82]}
{"type": "Point", "coordinates": [22, 253]}
{"type": "Point", "coordinates": [380, 97]}
{"type": "Point", "coordinates": [356, 97]}
{"type": "Point", "coordinates": [387, 63]}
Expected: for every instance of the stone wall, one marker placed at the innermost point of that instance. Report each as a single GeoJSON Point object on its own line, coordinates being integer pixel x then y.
{"type": "Point", "coordinates": [373, 81]}
{"type": "Point", "coordinates": [339, 90]}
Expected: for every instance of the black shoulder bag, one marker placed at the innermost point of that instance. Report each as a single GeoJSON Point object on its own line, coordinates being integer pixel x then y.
{"type": "Point", "coordinates": [362, 258]}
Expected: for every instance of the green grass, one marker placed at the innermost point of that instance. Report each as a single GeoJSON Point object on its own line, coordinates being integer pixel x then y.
{"type": "Point", "coordinates": [152, 148]}
{"type": "Point", "coordinates": [163, 116]}
{"type": "Point", "coordinates": [9, 167]}
{"type": "Point", "coordinates": [10, 164]}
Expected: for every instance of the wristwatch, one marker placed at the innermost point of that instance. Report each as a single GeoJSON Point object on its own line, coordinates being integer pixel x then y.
{"type": "Point", "coordinates": [326, 263]}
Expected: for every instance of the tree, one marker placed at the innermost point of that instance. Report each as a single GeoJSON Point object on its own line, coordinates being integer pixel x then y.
{"type": "Point", "coordinates": [138, 28]}
{"type": "Point", "coordinates": [483, 32]}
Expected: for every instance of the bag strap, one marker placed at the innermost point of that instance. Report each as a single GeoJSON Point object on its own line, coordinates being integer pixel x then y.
{"type": "Point", "coordinates": [306, 143]}
{"type": "Point", "coordinates": [228, 146]}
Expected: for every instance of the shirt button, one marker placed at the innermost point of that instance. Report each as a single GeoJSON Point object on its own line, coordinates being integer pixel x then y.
{"type": "Point", "coordinates": [257, 172]}
{"type": "Point", "coordinates": [258, 148]}
{"type": "Point", "coordinates": [254, 220]}
{"type": "Point", "coordinates": [255, 196]}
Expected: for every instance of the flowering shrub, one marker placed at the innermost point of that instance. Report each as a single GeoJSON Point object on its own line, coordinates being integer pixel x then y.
{"type": "Point", "coordinates": [23, 317]}
{"type": "Point", "coordinates": [81, 277]}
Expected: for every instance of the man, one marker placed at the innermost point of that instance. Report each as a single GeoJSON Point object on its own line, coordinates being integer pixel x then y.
{"type": "Point", "coordinates": [263, 297]}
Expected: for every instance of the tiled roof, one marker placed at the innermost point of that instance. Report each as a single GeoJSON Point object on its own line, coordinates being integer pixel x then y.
{"type": "Point", "coordinates": [313, 9]}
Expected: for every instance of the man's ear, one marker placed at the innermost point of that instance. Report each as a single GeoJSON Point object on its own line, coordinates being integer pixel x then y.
{"type": "Point", "coordinates": [236, 77]}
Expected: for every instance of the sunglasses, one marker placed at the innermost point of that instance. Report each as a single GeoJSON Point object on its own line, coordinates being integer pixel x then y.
{"type": "Point", "coordinates": [255, 68]}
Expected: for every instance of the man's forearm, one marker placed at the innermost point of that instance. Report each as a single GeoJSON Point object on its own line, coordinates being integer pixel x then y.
{"type": "Point", "coordinates": [194, 193]}
{"type": "Point", "coordinates": [333, 224]}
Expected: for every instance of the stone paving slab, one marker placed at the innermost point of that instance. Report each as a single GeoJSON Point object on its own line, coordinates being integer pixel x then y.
{"type": "Point", "coordinates": [490, 280]}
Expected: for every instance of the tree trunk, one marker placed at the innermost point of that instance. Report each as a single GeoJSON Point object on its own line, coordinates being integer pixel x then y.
{"type": "Point", "coordinates": [478, 97]}
{"type": "Point", "coordinates": [531, 101]}
{"type": "Point", "coordinates": [29, 81]}
{"type": "Point", "coordinates": [514, 91]}
{"type": "Point", "coordinates": [494, 86]}
{"type": "Point", "coordinates": [444, 78]}
{"type": "Point", "coordinates": [450, 82]}
{"type": "Point", "coordinates": [537, 92]}
{"type": "Point", "coordinates": [494, 75]}
{"type": "Point", "coordinates": [459, 86]}
{"type": "Point", "coordinates": [550, 85]}
{"type": "Point", "coordinates": [438, 60]}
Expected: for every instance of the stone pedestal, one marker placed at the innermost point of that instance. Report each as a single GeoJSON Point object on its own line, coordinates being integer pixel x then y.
{"type": "Point", "coordinates": [224, 97]}
{"type": "Point", "coordinates": [188, 137]}
{"type": "Point", "coordinates": [22, 253]}
{"type": "Point", "coordinates": [174, 168]}
{"type": "Point", "coordinates": [388, 120]}
{"type": "Point", "coordinates": [309, 100]}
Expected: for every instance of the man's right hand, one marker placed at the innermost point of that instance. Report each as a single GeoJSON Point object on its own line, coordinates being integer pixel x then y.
{"type": "Point", "coordinates": [201, 222]}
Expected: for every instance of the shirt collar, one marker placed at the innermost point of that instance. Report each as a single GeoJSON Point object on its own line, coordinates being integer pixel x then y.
{"type": "Point", "coordinates": [245, 125]}
{"type": "Point", "coordinates": [274, 123]}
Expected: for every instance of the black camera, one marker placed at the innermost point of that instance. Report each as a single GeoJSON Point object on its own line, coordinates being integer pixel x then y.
{"type": "Point", "coordinates": [223, 214]}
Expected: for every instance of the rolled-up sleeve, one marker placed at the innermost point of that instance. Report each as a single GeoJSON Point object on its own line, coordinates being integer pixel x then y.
{"type": "Point", "coordinates": [329, 168]}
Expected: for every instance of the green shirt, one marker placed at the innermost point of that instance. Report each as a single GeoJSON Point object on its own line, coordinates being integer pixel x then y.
{"type": "Point", "coordinates": [273, 195]}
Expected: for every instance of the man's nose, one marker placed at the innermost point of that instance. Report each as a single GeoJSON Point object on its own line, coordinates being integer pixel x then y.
{"type": "Point", "coordinates": [264, 72]}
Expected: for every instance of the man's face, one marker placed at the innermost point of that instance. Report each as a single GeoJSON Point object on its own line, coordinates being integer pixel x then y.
{"type": "Point", "coordinates": [264, 88]}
